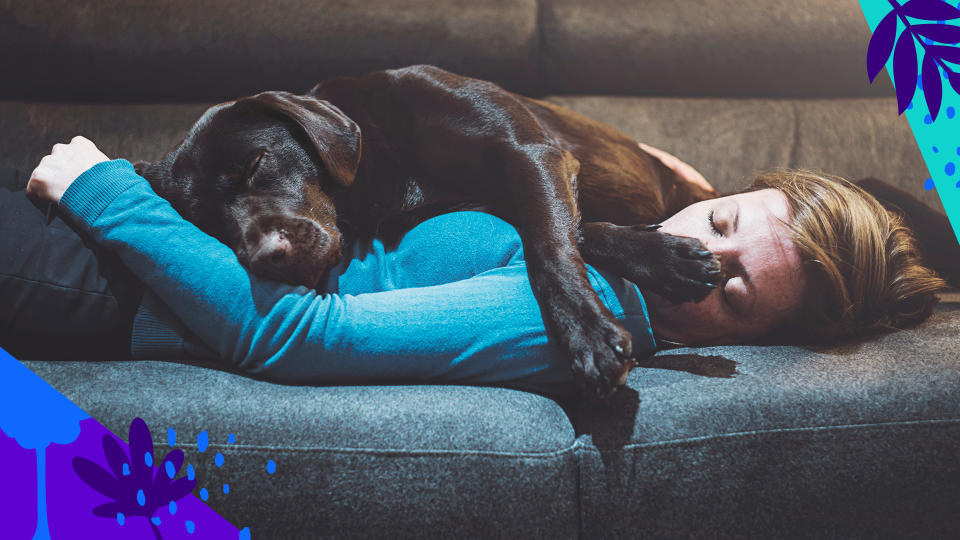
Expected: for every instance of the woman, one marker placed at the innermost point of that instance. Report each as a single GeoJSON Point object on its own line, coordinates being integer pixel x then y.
{"type": "Point", "coordinates": [807, 257]}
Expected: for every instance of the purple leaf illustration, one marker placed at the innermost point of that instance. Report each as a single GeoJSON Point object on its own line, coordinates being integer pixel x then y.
{"type": "Point", "coordinates": [115, 455]}
{"type": "Point", "coordinates": [97, 478]}
{"type": "Point", "coordinates": [881, 45]}
{"type": "Point", "coordinates": [930, 10]}
{"type": "Point", "coordinates": [905, 70]}
{"type": "Point", "coordinates": [131, 483]}
{"type": "Point", "coordinates": [954, 79]}
{"type": "Point", "coordinates": [950, 54]}
{"type": "Point", "coordinates": [932, 86]}
{"type": "Point", "coordinates": [944, 33]}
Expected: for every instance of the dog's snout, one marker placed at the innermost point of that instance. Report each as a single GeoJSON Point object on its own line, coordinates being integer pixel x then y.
{"type": "Point", "coordinates": [293, 251]}
{"type": "Point", "coordinates": [274, 249]}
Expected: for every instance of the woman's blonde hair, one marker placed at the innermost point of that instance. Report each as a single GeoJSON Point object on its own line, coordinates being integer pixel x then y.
{"type": "Point", "coordinates": [862, 263]}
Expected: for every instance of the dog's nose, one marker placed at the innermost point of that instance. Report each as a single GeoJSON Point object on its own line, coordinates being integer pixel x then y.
{"type": "Point", "coordinates": [274, 250]}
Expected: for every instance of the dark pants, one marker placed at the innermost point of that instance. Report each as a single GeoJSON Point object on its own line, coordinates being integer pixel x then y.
{"type": "Point", "coordinates": [62, 297]}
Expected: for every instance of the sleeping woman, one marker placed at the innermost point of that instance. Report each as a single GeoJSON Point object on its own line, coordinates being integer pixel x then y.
{"type": "Point", "coordinates": [807, 257]}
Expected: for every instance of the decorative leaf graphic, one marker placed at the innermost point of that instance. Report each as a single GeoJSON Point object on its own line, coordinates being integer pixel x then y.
{"type": "Point", "coordinates": [905, 70]}
{"type": "Point", "coordinates": [954, 79]}
{"type": "Point", "coordinates": [944, 33]}
{"type": "Point", "coordinates": [932, 87]}
{"type": "Point", "coordinates": [930, 10]}
{"type": "Point", "coordinates": [881, 44]}
{"type": "Point", "coordinates": [97, 477]}
{"type": "Point", "coordinates": [134, 488]}
{"type": "Point", "coordinates": [115, 455]}
{"type": "Point", "coordinates": [950, 54]}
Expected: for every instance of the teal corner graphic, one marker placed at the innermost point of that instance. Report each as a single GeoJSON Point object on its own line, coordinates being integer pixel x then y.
{"type": "Point", "coordinates": [939, 139]}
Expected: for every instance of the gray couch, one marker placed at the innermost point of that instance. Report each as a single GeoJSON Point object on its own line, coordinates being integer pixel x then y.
{"type": "Point", "coordinates": [855, 440]}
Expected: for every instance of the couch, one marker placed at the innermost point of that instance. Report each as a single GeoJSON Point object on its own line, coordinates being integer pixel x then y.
{"type": "Point", "coordinates": [855, 440]}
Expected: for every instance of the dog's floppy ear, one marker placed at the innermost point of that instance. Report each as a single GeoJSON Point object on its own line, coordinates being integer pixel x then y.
{"type": "Point", "coordinates": [140, 165]}
{"type": "Point", "coordinates": [335, 136]}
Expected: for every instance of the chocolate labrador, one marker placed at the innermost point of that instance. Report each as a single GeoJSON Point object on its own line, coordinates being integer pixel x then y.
{"type": "Point", "coordinates": [285, 179]}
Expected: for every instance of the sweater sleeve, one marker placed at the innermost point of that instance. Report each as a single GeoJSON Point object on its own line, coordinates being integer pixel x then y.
{"type": "Point", "coordinates": [486, 329]}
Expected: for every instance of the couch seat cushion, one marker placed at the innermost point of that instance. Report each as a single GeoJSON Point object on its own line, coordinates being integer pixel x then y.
{"type": "Point", "coordinates": [855, 440]}
{"type": "Point", "coordinates": [358, 461]}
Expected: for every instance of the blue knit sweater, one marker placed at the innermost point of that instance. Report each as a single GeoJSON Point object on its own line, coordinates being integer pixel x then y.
{"type": "Point", "coordinates": [483, 330]}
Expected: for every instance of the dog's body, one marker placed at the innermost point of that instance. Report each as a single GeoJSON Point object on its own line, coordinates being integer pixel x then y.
{"type": "Point", "coordinates": [283, 179]}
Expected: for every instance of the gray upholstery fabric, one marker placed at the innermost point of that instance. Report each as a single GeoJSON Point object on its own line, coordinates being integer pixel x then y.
{"type": "Point", "coordinates": [729, 140]}
{"type": "Point", "coordinates": [786, 48]}
{"type": "Point", "coordinates": [182, 50]}
{"type": "Point", "coordinates": [354, 461]}
{"type": "Point", "coordinates": [854, 440]}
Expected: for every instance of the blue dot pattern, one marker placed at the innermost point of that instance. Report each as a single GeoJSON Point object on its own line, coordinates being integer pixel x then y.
{"type": "Point", "coordinates": [231, 438]}
{"type": "Point", "coordinates": [927, 119]}
{"type": "Point", "coordinates": [148, 459]}
{"type": "Point", "coordinates": [202, 441]}
{"type": "Point", "coordinates": [244, 534]}
{"type": "Point", "coordinates": [928, 185]}
{"type": "Point", "coordinates": [191, 474]}
{"type": "Point", "coordinates": [935, 149]}
{"type": "Point", "coordinates": [271, 466]}
{"type": "Point", "coordinates": [218, 459]}
{"type": "Point", "coordinates": [171, 471]}
{"type": "Point", "coordinates": [171, 436]}
{"type": "Point", "coordinates": [190, 526]}
{"type": "Point", "coordinates": [121, 519]}
{"type": "Point", "coordinates": [951, 112]}
{"type": "Point", "coordinates": [950, 168]}
{"type": "Point", "coordinates": [204, 494]}
{"type": "Point", "coordinates": [226, 488]}
{"type": "Point", "coordinates": [141, 498]}
{"type": "Point", "coordinates": [172, 507]}
{"type": "Point", "coordinates": [126, 469]}
{"type": "Point", "coordinates": [155, 520]}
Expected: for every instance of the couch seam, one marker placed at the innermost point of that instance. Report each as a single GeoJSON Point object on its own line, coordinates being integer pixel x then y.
{"type": "Point", "coordinates": [572, 448]}
{"type": "Point", "coordinates": [394, 452]}
{"type": "Point", "coordinates": [538, 84]}
{"type": "Point", "coordinates": [745, 434]}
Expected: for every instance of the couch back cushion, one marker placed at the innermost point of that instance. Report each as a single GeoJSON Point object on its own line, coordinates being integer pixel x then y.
{"type": "Point", "coordinates": [183, 50]}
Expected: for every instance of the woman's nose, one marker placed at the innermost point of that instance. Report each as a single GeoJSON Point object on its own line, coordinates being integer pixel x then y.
{"type": "Point", "coordinates": [727, 254]}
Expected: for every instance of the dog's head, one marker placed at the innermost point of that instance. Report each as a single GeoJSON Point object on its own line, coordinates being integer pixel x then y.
{"type": "Point", "coordinates": [260, 174]}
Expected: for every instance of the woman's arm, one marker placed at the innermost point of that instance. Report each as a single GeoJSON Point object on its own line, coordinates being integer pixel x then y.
{"type": "Point", "coordinates": [485, 329]}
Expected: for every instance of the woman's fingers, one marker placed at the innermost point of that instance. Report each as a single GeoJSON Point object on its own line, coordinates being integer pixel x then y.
{"type": "Point", "coordinates": [56, 171]}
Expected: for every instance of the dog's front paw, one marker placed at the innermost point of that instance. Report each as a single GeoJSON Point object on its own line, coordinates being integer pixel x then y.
{"type": "Point", "coordinates": [678, 268]}
{"type": "Point", "coordinates": [601, 353]}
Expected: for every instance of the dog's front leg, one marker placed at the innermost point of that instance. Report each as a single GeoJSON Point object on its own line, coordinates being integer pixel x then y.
{"type": "Point", "coordinates": [541, 178]}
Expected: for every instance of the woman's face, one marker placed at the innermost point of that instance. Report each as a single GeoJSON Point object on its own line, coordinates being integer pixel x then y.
{"type": "Point", "coordinates": [763, 283]}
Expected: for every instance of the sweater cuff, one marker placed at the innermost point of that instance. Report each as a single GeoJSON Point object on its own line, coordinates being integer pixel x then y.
{"type": "Point", "coordinates": [90, 194]}
{"type": "Point", "coordinates": [159, 335]}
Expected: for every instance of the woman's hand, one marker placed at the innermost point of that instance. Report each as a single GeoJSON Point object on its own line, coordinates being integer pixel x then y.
{"type": "Point", "coordinates": [57, 171]}
{"type": "Point", "coordinates": [684, 170]}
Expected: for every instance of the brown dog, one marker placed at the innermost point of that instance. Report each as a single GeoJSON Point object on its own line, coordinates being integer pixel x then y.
{"type": "Point", "coordinates": [284, 179]}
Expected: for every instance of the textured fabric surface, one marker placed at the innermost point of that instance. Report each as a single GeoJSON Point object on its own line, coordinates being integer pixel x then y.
{"type": "Point", "coordinates": [854, 440]}
{"type": "Point", "coordinates": [810, 48]}
{"type": "Point", "coordinates": [728, 140]}
{"type": "Point", "coordinates": [725, 48]}
{"type": "Point", "coordinates": [180, 50]}
{"type": "Point", "coordinates": [355, 461]}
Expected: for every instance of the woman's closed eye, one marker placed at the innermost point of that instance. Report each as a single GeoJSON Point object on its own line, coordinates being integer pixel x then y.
{"type": "Point", "coordinates": [713, 225]}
